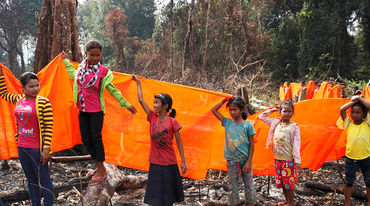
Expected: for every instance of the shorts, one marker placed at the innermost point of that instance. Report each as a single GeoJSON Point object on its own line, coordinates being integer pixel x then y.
{"type": "Point", "coordinates": [285, 174]}
{"type": "Point", "coordinates": [352, 166]}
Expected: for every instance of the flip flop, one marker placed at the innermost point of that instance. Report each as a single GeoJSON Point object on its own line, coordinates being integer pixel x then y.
{"type": "Point", "coordinates": [97, 180]}
{"type": "Point", "coordinates": [90, 173]}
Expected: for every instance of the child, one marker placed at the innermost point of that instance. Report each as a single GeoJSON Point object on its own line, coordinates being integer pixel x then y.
{"type": "Point", "coordinates": [89, 82]}
{"type": "Point", "coordinates": [284, 136]}
{"type": "Point", "coordinates": [358, 144]}
{"type": "Point", "coordinates": [239, 147]}
{"type": "Point", "coordinates": [34, 117]}
{"type": "Point", "coordinates": [164, 185]}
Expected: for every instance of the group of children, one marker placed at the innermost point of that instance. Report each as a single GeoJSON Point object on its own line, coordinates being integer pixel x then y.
{"type": "Point", "coordinates": [164, 187]}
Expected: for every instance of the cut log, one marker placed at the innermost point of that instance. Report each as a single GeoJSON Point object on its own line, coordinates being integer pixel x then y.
{"type": "Point", "coordinates": [360, 195]}
{"type": "Point", "coordinates": [101, 193]}
{"type": "Point", "coordinates": [71, 158]}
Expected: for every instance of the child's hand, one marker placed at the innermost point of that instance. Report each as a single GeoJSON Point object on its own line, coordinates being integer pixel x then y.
{"type": "Point", "coordinates": [356, 98]}
{"type": "Point", "coordinates": [183, 167]}
{"type": "Point", "coordinates": [247, 167]}
{"type": "Point", "coordinates": [64, 55]}
{"type": "Point", "coordinates": [132, 109]}
{"type": "Point", "coordinates": [274, 109]}
{"type": "Point", "coordinates": [45, 156]}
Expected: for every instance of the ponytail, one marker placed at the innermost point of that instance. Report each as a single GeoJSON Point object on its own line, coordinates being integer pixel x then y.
{"type": "Point", "coordinates": [172, 113]}
{"type": "Point", "coordinates": [244, 115]}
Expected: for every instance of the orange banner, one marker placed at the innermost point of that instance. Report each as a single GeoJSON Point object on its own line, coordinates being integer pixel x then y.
{"type": "Point", "coordinates": [126, 137]}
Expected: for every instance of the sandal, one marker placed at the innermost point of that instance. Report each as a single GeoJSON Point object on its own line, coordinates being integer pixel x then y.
{"type": "Point", "coordinates": [90, 173]}
{"type": "Point", "coordinates": [96, 180]}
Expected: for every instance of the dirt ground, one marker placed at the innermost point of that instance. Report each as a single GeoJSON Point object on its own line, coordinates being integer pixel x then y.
{"type": "Point", "coordinates": [210, 191]}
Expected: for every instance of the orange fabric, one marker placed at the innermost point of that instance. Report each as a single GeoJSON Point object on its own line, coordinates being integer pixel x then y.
{"type": "Point", "coordinates": [322, 91]}
{"type": "Point", "coordinates": [126, 137]}
{"type": "Point", "coordinates": [334, 92]}
{"type": "Point", "coordinates": [311, 87]}
{"type": "Point", "coordinates": [366, 93]}
{"type": "Point", "coordinates": [281, 93]}
{"type": "Point", "coordinates": [293, 90]}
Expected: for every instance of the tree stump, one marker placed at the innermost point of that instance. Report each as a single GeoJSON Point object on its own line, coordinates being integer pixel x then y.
{"type": "Point", "coordinates": [101, 193]}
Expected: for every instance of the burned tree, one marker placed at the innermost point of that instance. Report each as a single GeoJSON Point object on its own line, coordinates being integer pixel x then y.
{"type": "Point", "coordinates": [58, 31]}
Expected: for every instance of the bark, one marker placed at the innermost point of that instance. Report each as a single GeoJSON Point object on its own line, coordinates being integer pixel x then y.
{"type": "Point", "coordinates": [243, 92]}
{"type": "Point", "coordinates": [58, 31]}
{"type": "Point", "coordinates": [101, 193]}
{"type": "Point", "coordinates": [171, 46]}
{"type": "Point", "coordinates": [187, 38]}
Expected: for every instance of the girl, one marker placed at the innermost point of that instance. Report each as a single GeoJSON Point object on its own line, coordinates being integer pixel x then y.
{"type": "Point", "coordinates": [164, 182]}
{"type": "Point", "coordinates": [34, 117]}
{"type": "Point", "coordinates": [89, 82]}
{"type": "Point", "coordinates": [239, 147]}
{"type": "Point", "coordinates": [358, 144]}
{"type": "Point", "coordinates": [284, 136]}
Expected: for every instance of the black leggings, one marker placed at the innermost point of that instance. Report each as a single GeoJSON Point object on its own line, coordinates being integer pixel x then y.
{"type": "Point", "coordinates": [91, 124]}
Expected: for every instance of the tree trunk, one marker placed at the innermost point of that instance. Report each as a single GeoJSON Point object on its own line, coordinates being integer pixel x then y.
{"type": "Point", "coordinates": [58, 31]}
{"type": "Point", "coordinates": [206, 39]}
{"type": "Point", "coordinates": [171, 41]}
{"type": "Point", "coordinates": [187, 38]}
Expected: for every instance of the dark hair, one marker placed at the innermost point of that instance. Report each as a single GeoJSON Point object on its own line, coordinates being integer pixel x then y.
{"type": "Point", "coordinates": [93, 44]}
{"type": "Point", "coordinates": [362, 107]}
{"type": "Point", "coordinates": [239, 102]}
{"type": "Point", "coordinates": [166, 99]}
{"type": "Point", "coordinates": [25, 77]}
{"type": "Point", "coordinates": [287, 103]}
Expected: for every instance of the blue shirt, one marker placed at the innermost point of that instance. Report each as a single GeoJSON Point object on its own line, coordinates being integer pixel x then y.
{"type": "Point", "coordinates": [237, 139]}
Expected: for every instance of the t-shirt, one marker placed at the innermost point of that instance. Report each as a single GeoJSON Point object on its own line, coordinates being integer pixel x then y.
{"type": "Point", "coordinates": [237, 139]}
{"type": "Point", "coordinates": [161, 133]}
{"type": "Point", "coordinates": [358, 139]}
{"type": "Point", "coordinates": [28, 125]}
{"type": "Point", "coordinates": [283, 147]}
{"type": "Point", "coordinates": [90, 92]}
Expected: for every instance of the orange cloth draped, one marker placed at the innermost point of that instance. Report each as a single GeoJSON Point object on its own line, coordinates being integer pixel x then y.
{"type": "Point", "coordinates": [293, 90]}
{"type": "Point", "coordinates": [126, 137]}
{"type": "Point", "coordinates": [366, 93]}
{"type": "Point", "coordinates": [322, 91]}
{"type": "Point", "coordinates": [311, 86]}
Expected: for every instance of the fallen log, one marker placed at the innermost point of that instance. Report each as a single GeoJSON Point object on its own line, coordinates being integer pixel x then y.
{"type": "Point", "coordinates": [70, 158]}
{"type": "Point", "coordinates": [360, 195]}
{"type": "Point", "coordinates": [101, 193]}
{"type": "Point", "coordinates": [23, 195]}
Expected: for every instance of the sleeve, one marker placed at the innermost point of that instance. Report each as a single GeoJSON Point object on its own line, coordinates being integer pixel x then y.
{"type": "Point", "coordinates": [9, 97]}
{"type": "Point", "coordinates": [297, 145]}
{"type": "Point", "coordinates": [70, 68]}
{"type": "Point", "coordinates": [116, 93]}
{"type": "Point", "coordinates": [225, 122]}
{"type": "Point", "coordinates": [175, 125]}
{"type": "Point", "coordinates": [250, 129]}
{"type": "Point", "coordinates": [150, 116]}
{"type": "Point", "coordinates": [264, 117]}
{"type": "Point", "coordinates": [367, 119]}
{"type": "Point", "coordinates": [347, 122]}
{"type": "Point", "coordinates": [48, 124]}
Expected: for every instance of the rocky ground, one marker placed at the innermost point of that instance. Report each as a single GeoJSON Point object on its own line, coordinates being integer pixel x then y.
{"type": "Point", "coordinates": [210, 191]}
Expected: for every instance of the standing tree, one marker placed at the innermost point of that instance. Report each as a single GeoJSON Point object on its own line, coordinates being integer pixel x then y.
{"type": "Point", "coordinates": [58, 31]}
{"type": "Point", "coordinates": [117, 33]}
{"type": "Point", "coordinates": [17, 21]}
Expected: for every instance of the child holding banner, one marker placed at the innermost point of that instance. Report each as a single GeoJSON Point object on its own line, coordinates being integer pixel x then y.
{"type": "Point", "coordinates": [239, 148]}
{"type": "Point", "coordinates": [164, 185]}
{"type": "Point", "coordinates": [285, 138]}
{"type": "Point", "coordinates": [34, 117]}
{"type": "Point", "coordinates": [358, 144]}
{"type": "Point", "coordinates": [89, 82]}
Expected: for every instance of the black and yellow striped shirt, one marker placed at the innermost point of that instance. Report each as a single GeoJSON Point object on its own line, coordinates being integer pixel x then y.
{"type": "Point", "coordinates": [44, 113]}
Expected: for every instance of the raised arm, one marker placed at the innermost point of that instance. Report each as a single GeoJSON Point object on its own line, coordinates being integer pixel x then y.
{"type": "Point", "coordinates": [181, 150]}
{"type": "Point", "coordinates": [363, 101]}
{"type": "Point", "coordinates": [140, 95]}
{"type": "Point", "coordinates": [69, 66]}
{"type": "Point", "coordinates": [264, 115]}
{"type": "Point", "coordinates": [344, 108]}
{"type": "Point", "coordinates": [216, 107]}
{"type": "Point", "coordinates": [9, 97]}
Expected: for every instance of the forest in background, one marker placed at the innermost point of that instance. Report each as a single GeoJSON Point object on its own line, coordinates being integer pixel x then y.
{"type": "Point", "coordinates": [212, 44]}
